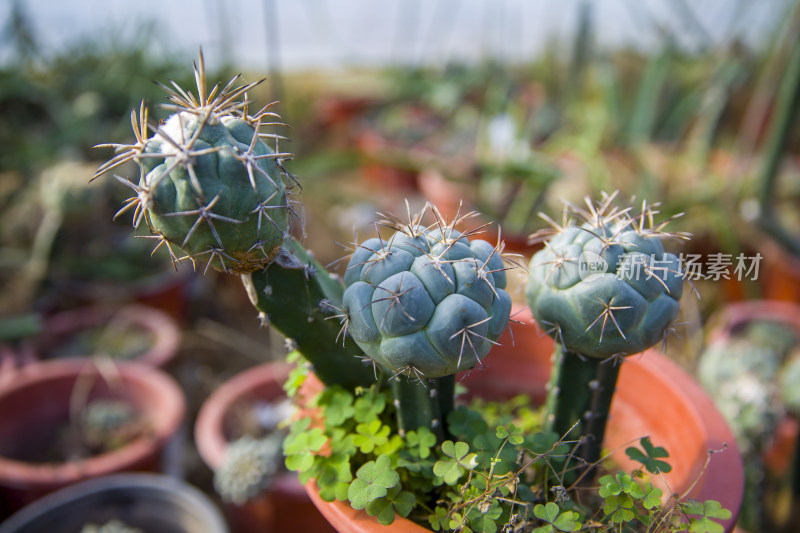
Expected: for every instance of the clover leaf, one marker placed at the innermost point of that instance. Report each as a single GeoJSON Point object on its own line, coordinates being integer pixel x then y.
{"type": "Point", "coordinates": [459, 461]}
{"type": "Point", "coordinates": [370, 435]}
{"type": "Point", "coordinates": [703, 516]}
{"type": "Point", "coordinates": [420, 442]}
{"type": "Point", "coordinates": [650, 457]}
{"type": "Point", "coordinates": [338, 407]}
{"type": "Point", "coordinates": [301, 444]}
{"type": "Point", "coordinates": [559, 521]}
{"type": "Point", "coordinates": [373, 481]}
{"type": "Point", "coordinates": [397, 501]}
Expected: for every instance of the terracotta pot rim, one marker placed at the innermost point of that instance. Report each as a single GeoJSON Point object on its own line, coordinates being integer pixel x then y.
{"type": "Point", "coordinates": [166, 421]}
{"type": "Point", "coordinates": [209, 434]}
{"type": "Point", "coordinates": [736, 314]}
{"type": "Point", "coordinates": [166, 333]}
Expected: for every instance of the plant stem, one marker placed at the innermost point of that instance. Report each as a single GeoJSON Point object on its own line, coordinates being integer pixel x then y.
{"type": "Point", "coordinates": [423, 404]}
{"type": "Point", "coordinates": [297, 296]}
{"type": "Point", "coordinates": [578, 401]}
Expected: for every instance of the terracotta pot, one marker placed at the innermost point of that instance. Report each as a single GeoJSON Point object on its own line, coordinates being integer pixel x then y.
{"type": "Point", "coordinates": [654, 398]}
{"type": "Point", "coordinates": [285, 507]}
{"type": "Point", "coordinates": [148, 502]}
{"type": "Point", "coordinates": [780, 274]}
{"type": "Point", "coordinates": [61, 327]}
{"type": "Point", "coordinates": [37, 402]}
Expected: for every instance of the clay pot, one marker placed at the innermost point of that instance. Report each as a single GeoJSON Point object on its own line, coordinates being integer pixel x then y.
{"type": "Point", "coordinates": [150, 502]}
{"type": "Point", "coordinates": [654, 398]}
{"type": "Point", "coordinates": [61, 327]}
{"type": "Point", "coordinates": [36, 402]}
{"type": "Point", "coordinates": [285, 507]}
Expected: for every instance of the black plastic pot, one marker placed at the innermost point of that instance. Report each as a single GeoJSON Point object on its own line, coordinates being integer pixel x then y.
{"type": "Point", "coordinates": [154, 503]}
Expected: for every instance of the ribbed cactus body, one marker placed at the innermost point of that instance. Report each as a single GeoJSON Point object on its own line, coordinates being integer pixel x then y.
{"type": "Point", "coordinates": [429, 301]}
{"type": "Point", "coordinates": [212, 202]}
{"type": "Point", "coordinates": [606, 286]}
{"type": "Point", "coordinates": [208, 185]}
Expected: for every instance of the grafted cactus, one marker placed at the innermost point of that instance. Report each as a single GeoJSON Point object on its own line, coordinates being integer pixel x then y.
{"type": "Point", "coordinates": [603, 287]}
{"type": "Point", "coordinates": [427, 301]}
{"type": "Point", "coordinates": [207, 182]}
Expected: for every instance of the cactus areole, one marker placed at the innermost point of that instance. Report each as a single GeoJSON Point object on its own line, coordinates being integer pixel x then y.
{"type": "Point", "coordinates": [604, 286]}
{"type": "Point", "coordinates": [427, 301]}
{"type": "Point", "coordinates": [208, 184]}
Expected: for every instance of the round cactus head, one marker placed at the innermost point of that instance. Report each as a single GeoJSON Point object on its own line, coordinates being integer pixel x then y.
{"type": "Point", "coordinates": [427, 300]}
{"type": "Point", "coordinates": [208, 184]}
{"type": "Point", "coordinates": [603, 284]}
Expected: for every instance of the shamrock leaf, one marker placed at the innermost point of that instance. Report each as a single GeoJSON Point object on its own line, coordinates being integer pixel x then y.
{"type": "Point", "coordinates": [653, 498]}
{"type": "Point", "coordinates": [651, 456]}
{"type": "Point", "coordinates": [486, 521]}
{"type": "Point", "coordinates": [373, 481]}
{"type": "Point", "coordinates": [510, 432]}
{"type": "Point", "coordinates": [703, 516]}
{"type": "Point", "coordinates": [561, 521]}
{"type": "Point", "coordinates": [420, 442]}
{"type": "Point", "coordinates": [338, 407]}
{"type": "Point", "coordinates": [368, 407]}
{"type": "Point", "coordinates": [371, 435]}
{"type": "Point", "coordinates": [397, 501]}
{"type": "Point", "coordinates": [300, 445]}
{"type": "Point", "coordinates": [459, 460]}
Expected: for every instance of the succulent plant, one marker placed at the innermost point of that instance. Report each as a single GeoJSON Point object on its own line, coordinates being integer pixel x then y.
{"type": "Point", "coordinates": [248, 468]}
{"type": "Point", "coordinates": [427, 301]}
{"type": "Point", "coordinates": [208, 184]}
{"type": "Point", "coordinates": [740, 376]}
{"type": "Point", "coordinates": [603, 287]}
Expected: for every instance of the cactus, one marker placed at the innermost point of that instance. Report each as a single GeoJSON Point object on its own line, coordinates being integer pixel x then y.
{"type": "Point", "coordinates": [424, 304]}
{"type": "Point", "coordinates": [248, 468]}
{"type": "Point", "coordinates": [208, 185]}
{"type": "Point", "coordinates": [603, 287]}
{"type": "Point", "coordinates": [740, 376]}
{"type": "Point", "coordinates": [428, 301]}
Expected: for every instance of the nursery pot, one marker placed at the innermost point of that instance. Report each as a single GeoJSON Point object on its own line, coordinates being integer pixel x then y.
{"type": "Point", "coordinates": [654, 397]}
{"type": "Point", "coordinates": [35, 405]}
{"type": "Point", "coordinates": [153, 335]}
{"type": "Point", "coordinates": [149, 502]}
{"type": "Point", "coordinates": [285, 507]}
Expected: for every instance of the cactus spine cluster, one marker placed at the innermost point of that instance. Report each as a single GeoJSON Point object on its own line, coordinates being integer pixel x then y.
{"type": "Point", "coordinates": [249, 467]}
{"type": "Point", "coordinates": [208, 184]}
{"type": "Point", "coordinates": [603, 287]}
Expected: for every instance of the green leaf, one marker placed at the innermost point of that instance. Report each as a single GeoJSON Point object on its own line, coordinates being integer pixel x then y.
{"type": "Point", "coordinates": [650, 457]}
{"type": "Point", "coordinates": [707, 513]}
{"type": "Point", "coordinates": [338, 407]}
{"type": "Point", "coordinates": [548, 512]}
{"type": "Point", "coordinates": [466, 423]}
{"type": "Point", "coordinates": [373, 480]}
{"type": "Point", "coordinates": [450, 470]}
{"type": "Point", "coordinates": [369, 406]}
{"type": "Point", "coordinates": [370, 435]}
{"type": "Point", "coordinates": [420, 442]}
{"type": "Point", "coordinates": [568, 521]}
{"type": "Point", "coordinates": [486, 522]}
{"type": "Point", "coordinates": [653, 498]}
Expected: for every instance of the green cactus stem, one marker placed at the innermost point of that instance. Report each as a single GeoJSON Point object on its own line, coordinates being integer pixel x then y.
{"type": "Point", "coordinates": [603, 287]}
{"type": "Point", "coordinates": [299, 298]}
{"type": "Point", "coordinates": [423, 404]}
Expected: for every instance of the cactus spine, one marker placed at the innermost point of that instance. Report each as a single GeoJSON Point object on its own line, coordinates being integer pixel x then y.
{"type": "Point", "coordinates": [604, 288]}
